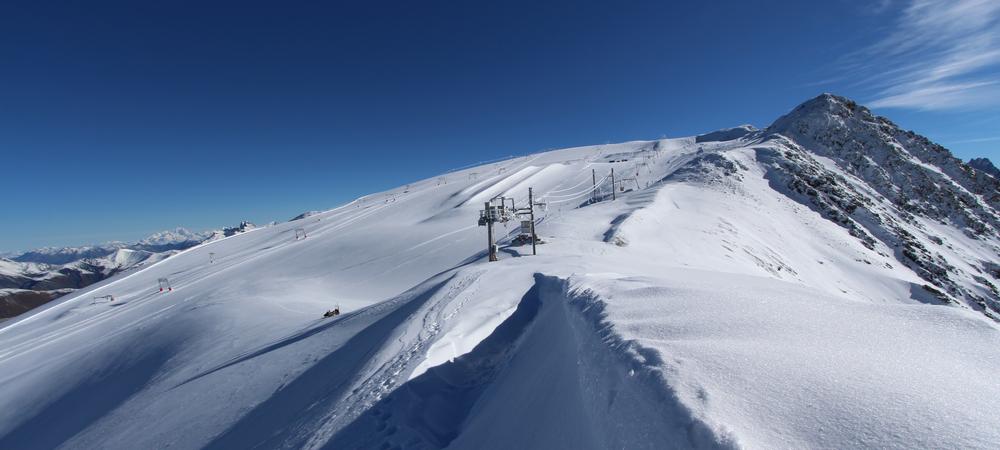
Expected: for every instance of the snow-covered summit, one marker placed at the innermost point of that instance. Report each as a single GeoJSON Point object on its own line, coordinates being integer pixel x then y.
{"type": "Point", "coordinates": [176, 236]}
{"type": "Point", "coordinates": [798, 287]}
{"type": "Point", "coordinates": [64, 255]}
{"type": "Point", "coordinates": [727, 134]}
{"type": "Point", "coordinates": [907, 168]}
{"type": "Point", "coordinates": [894, 187]}
{"type": "Point", "coordinates": [176, 239]}
{"type": "Point", "coordinates": [914, 173]}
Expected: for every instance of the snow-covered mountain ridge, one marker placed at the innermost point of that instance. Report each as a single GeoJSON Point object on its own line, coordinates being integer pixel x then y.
{"type": "Point", "coordinates": [32, 278]}
{"type": "Point", "coordinates": [895, 188]}
{"type": "Point", "coordinates": [176, 239]}
{"type": "Point", "coordinates": [824, 282]}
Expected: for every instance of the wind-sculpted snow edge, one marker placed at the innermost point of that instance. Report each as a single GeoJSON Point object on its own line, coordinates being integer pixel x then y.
{"type": "Point", "coordinates": [643, 365]}
{"type": "Point", "coordinates": [554, 374]}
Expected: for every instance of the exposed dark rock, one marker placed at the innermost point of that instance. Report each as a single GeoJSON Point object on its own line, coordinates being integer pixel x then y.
{"type": "Point", "coordinates": [17, 302]}
{"type": "Point", "coordinates": [911, 176]}
{"type": "Point", "coordinates": [984, 165]}
{"type": "Point", "coordinates": [914, 173]}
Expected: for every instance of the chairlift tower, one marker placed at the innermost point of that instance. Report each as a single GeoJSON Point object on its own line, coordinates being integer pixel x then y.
{"type": "Point", "coordinates": [531, 213]}
{"type": "Point", "coordinates": [620, 184]}
{"type": "Point", "coordinates": [593, 188]}
{"type": "Point", "coordinates": [494, 211]}
{"type": "Point", "coordinates": [497, 210]}
{"type": "Point", "coordinates": [613, 196]}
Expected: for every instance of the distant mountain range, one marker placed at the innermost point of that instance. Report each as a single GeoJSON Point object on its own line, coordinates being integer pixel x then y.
{"type": "Point", "coordinates": [176, 239]}
{"type": "Point", "coordinates": [32, 278]}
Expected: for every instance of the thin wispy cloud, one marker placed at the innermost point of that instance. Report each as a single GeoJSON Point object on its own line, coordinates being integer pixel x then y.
{"type": "Point", "coordinates": [880, 6]}
{"type": "Point", "coordinates": [977, 140]}
{"type": "Point", "coordinates": [937, 55]}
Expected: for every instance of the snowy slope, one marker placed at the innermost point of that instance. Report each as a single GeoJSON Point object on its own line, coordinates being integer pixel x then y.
{"type": "Point", "coordinates": [32, 278]}
{"type": "Point", "coordinates": [25, 285]}
{"type": "Point", "coordinates": [717, 301]}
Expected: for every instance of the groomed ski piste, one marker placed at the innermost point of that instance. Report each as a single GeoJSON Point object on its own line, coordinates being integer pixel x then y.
{"type": "Point", "coordinates": [694, 310]}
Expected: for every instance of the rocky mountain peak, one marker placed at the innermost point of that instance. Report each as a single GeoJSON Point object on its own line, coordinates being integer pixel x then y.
{"type": "Point", "coordinates": [829, 104]}
{"type": "Point", "coordinates": [984, 165]}
{"type": "Point", "coordinates": [829, 115]}
{"type": "Point", "coordinates": [915, 174]}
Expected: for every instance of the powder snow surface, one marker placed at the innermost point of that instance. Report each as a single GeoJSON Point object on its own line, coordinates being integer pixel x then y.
{"type": "Point", "coordinates": [767, 364]}
{"type": "Point", "coordinates": [698, 309]}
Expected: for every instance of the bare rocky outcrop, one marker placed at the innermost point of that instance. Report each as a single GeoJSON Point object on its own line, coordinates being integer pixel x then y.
{"type": "Point", "coordinates": [876, 180]}
{"type": "Point", "coordinates": [915, 174]}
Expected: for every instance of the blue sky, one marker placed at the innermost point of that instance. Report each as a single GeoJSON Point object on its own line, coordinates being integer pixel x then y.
{"type": "Point", "coordinates": [119, 119]}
